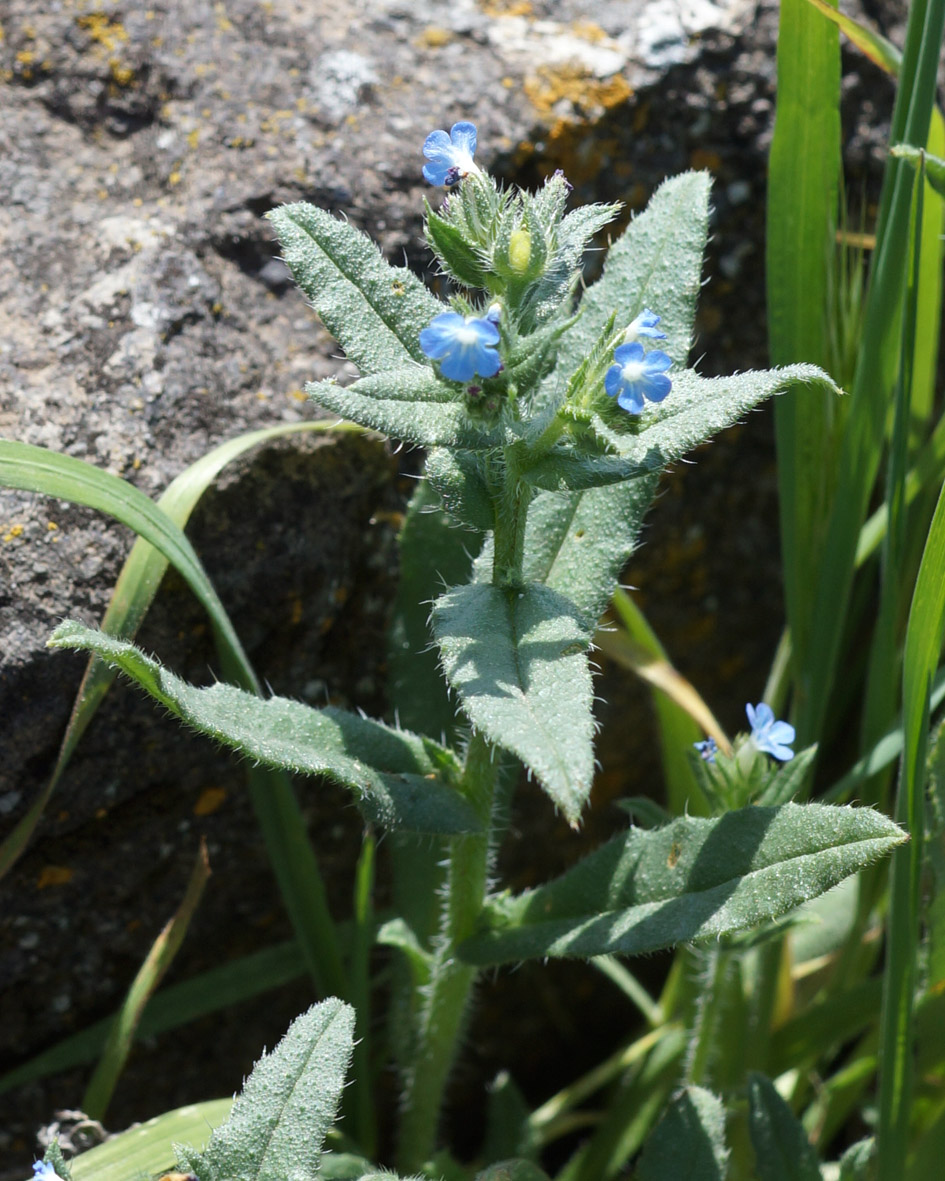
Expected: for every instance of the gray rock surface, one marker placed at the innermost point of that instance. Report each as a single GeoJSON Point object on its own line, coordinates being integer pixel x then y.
{"type": "Point", "coordinates": [145, 317]}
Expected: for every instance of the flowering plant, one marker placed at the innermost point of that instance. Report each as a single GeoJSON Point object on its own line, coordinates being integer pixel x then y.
{"type": "Point", "coordinates": [547, 419]}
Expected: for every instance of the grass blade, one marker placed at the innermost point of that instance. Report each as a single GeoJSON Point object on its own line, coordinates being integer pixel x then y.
{"type": "Point", "coordinates": [803, 187]}
{"type": "Point", "coordinates": [923, 644]}
{"type": "Point", "coordinates": [158, 960]}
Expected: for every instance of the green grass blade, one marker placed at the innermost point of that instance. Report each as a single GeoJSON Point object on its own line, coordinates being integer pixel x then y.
{"type": "Point", "coordinates": [884, 666]}
{"type": "Point", "coordinates": [37, 470]}
{"type": "Point", "coordinates": [158, 960]}
{"type": "Point", "coordinates": [803, 187]}
{"type": "Point", "coordinates": [861, 445]}
{"type": "Point", "coordinates": [148, 1149]}
{"type": "Point", "coordinates": [923, 644]}
{"type": "Point", "coordinates": [677, 728]}
{"type": "Point", "coordinates": [360, 1090]}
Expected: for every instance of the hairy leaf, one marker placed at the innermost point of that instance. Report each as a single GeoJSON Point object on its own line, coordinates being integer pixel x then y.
{"type": "Point", "coordinates": [374, 311]}
{"type": "Point", "coordinates": [518, 660]}
{"type": "Point", "coordinates": [393, 773]}
{"type": "Point", "coordinates": [689, 1141]}
{"type": "Point", "coordinates": [699, 407]}
{"type": "Point", "coordinates": [782, 1150]}
{"type": "Point", "coordinates": [695, 879]}
{"type": "Point", "coordinates": [278, 1124]}
{"type": "Point", "coordinates": [410, 404]}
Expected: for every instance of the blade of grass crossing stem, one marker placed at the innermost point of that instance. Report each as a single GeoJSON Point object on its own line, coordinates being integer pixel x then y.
{"type": "Point", "coordinates": [36, 470]}
{"type": "Point", "coordinates": [160, 542]}
{"type": "Point", "coordinates": [681, 713]}
{"type": "Point", "coordinates": [803, 188]}
{"type": "Point", "coordinates": [361, 1104]}
{"type": "Point", "coordinates": [158, 960]}
{"type": "Point", "coordinates": [884, 665]}
{"type": "Point", "coordinates": [861, 444]}
{"type": "Point", "coordinates": [923, 644]}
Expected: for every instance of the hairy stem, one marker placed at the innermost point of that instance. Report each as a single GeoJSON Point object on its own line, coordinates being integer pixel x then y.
{"type": "Point", "coordinates": [446, 998]}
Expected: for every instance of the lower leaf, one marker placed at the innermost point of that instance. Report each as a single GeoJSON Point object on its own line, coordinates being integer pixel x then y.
{"type": "Point", "coordinates": [693, 880]}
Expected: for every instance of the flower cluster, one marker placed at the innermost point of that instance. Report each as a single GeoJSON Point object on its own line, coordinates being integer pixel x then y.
{"type": "Point", "coordinates": [636, 375]}
{"type": "Point", "coordinates": [768, 735]}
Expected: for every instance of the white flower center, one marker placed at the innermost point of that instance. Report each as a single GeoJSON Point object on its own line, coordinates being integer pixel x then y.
{"type": "Point", "coordinates": [632, 372]}
{"type": "Point", "coordinates": [467, 336]}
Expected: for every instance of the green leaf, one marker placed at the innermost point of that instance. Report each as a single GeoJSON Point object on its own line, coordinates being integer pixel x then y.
{"type": "Point", "coordinates": [147, 1149]}
{"type": "Point", "coordinates": [699, 407]}
{"type": "Point", "coordinates": [392, 772]}
{"type": "Point", "coordinates": [278, 1123]}
{"type": "Point", "coordinates": [856, 1164]}
{"type": "Point", "coordinates": [518, 660]}
{"type": "Point", "coordinates": [409, 404]}
{"type": "Point", "coordinates": [453, 251]}
{"type": "Point", "coordinates": [578, 544]}
{"type": "Point", "coordinates": [458, 480]}
{"type": "Point", "coordinates": [689, 1141]}
{"type": "Point", "coordinates": [433, 553]}
{"type": "Point", "coordinates": [782, 1150]}
{"type": "Point", "coordinates": [693, 880]}
{"type": "Point", "coordinates": [656, 264]}
{"type": "Point", "coordinates": [513, 1170]}
{"type": "Point", "coordinates": [374, 311]}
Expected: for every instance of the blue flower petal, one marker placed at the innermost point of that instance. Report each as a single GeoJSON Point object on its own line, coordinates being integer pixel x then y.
{"type": "Point", "coordinates": [768, 734]}
{"type": "Point", "coordinates": [645, 324]}
{"type": "Point", "coordinates": [465, 347]}
{"type": "Point", "coordinates": [636, 376]}
{"type": "Point", "coordinates": [450, 156]}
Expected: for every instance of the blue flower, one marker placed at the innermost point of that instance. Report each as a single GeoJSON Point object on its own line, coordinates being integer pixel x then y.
{"type": "Point", "coordinates": [768, 734]}
{"type": "Point", "coordinates": [450, 156]}
{"type": "Point", "coordinates": [464, 347]}
{"type": "Point", "coordinates": [636, 375]}
{"type": "Point", "coordinates": [708, 749]}
{"type": "Point", "coordinates": [43, 1170]}
{"type": "Point", "coordinates": [644, 325]}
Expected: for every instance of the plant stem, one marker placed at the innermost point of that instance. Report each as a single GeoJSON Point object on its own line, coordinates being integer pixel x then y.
{"type": "Point", "coordinates": [510, 517]}
{"type": "Point", "coordinates": [446, 998]}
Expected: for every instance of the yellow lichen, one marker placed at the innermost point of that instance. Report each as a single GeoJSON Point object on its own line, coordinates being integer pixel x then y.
{"type": "Point", "coordinates": [434, 37]}
{"type": "Point", "coordinates": [104, 31]}
{"type": "Point", "coordinates": [506, 7]}
{"type": "Point", "coordinates": [13, 531]}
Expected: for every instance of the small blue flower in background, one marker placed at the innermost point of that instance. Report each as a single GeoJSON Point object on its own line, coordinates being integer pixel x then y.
{"type": "Point", "coordinates": [636, 375]}
{"type": "Point", "coordinates": [43, 1170]}
{"type": "Point", "coordinates": [450, 156]}
{"type": "Point", "coordinates": [464, 347]}
{"type": "Point", "coordinates": [770, 735]}
{"type": "Point", "coordinates": [644, 325]}
{"type": "Point", "coordinates": [707, 749]}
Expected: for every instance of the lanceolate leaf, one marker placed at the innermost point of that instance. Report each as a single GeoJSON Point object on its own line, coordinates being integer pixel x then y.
{"type": "Point", "coordinates": [689, 1141]}
{"type": "Point", "coordinates": [694, 879]}
{"type": "Point", "coordinates": [374, 311]}
{"type": "Point", "coordinates": [278, 1124]}
{"type": "Point", "coordinates": [699, 407]}
{"type": "Point", "coordinates": [656, 264]}
{"type": "Point", "coordinates": [410, 404]}
{"type": "Point", "coordinates": [578, 543]}
{"type": "Point", "coordinates": [518, 660]}
{"type": "Point", "coordinates": [393, 773]}
{"type": "Point", "coordinates": [782, 1150]}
